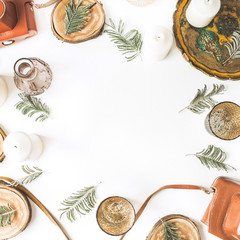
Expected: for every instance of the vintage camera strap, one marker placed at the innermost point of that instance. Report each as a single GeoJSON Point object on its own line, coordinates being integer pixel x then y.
{"type": "Point", "coordinates": [187, 187]}
{"type": "Point", "coordinates": [5, 181]}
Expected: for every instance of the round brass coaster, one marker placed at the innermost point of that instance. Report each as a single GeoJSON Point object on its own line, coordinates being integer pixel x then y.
{"type": "Point", "coordinates": [22, 211]}
{"type": "Point", "coordinates": [2, 137]}
{"type": "Point", "coordinates": [183, 226]}
{"type": "Point", "coordinates": [115, 215]}
{"type": "Point", "coordinates": [224, 120]}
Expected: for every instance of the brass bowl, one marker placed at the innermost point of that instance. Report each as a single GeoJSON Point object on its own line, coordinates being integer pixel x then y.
{"type": "Point", "coordinates": [224, 120]}
{"type": "Point", "coordinates": [115, 215]}
{"type": "Point", "coordinates": [186, 228]}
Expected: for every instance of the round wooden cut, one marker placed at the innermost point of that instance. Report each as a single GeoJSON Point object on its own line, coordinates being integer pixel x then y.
{"type": "Point", "coordinates": [22, 215]}
{"type": "Point", "coordinates": [205, 48]}
{"type": "Point", "coordinates": [93, 28]}
{"type": "Point", "coordinates": [186, 228]}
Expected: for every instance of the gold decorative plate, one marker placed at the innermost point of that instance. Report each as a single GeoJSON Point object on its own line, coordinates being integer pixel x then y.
{"type": "Point", "coordinates": [207, 48]}
{"type": "Point", "coordinates": [224, 120]}
{"type": "Point", "coordinates": [2, 137]}
{"type": "Point", "coordinates": [186, 229]}
{"type": "Point", "coordinates": [115, 216]}
{"type": "Point", "coordinates": [22, 215]}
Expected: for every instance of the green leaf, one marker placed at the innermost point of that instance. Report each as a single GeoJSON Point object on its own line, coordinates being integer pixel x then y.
{"type": "Point", "coordinates": [204, 100]}
{"type": "Point", "coordinates": [77, 16]}
{"type": "Point", "coordinates": [32, 174]}
{"type": "Point", "coordinates": [130, 43]}
{"type": "Point", "coordinates": [6, 215]}
{"type": "Point", "coordinates": [233, 47]}
{"type": "Point", "coordinates": [170, 231]}
{"type": "Point", "coordinates": [214, 157]}
{"type": "Point", "coordinates": [31, 106]}
{"type": "Point", "coordinates": [81, 202]}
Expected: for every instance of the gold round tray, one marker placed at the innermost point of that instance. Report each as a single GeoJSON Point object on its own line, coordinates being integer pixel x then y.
{"type": "Point", "coordinates": [2, 137]}
{"type": "Point", "coordinates": [206, 48]}
{"type": "Point", "coordinates": [115, 216]}
{"type": "Point", "coordinates": [185, 228]}
{"type": "Point", "coordinates": [22, 214]}
{"type": "Point", "coordinates": [224, 120]}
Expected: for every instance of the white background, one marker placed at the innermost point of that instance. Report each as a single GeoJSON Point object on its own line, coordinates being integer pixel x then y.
{"type": "Point", "coordinates": [117, 123]}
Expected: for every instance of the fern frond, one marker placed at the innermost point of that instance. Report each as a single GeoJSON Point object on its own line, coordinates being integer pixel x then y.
{"type": "Point", "coordinates": [32, 174]}
{"type": "Point", "coordinates": [6, 215]}
{"type": "Point", "coordinates": [233, 47]}
{"type": "Point", "coordinates": [77, 16]}
{"type": "Point", "coordinates": [203, 100]}
{"type": "Point", "coordinates": [170, 231]}
{"type": "Point", "coordinates": [130, 43]}
{"type": "Point", "coordinates": [214, 157]}
{"type": "Point", "coordinates": [31, 105]}
{"type": "Point", "coordinates": [81, 202]}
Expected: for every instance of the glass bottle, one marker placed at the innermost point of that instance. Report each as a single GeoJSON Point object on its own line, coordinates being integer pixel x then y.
{"type": "Point", "coordinates": [32, 75]}
{"type": "Point", "coordinates": [141, 3]}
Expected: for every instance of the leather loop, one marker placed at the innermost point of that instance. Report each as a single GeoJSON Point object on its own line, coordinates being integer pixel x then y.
{"type": "Point", "coordinates": [44, 5]}
{"type": "Point", "coordinates": [190, 187]}
{"type": "Point", "coordinates": [21, 188]}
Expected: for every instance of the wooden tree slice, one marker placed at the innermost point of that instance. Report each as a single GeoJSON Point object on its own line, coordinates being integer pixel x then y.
{"type": "Point", "coordinates": [93, 28]}
{"type": "Point", "coordinates": [22, 215]}
{"type": "Point", "coordinates": [186, 228]}
{"type": "Point", "coordinates": [204, 48]}
{"type": "Point", "coordinates": [2, 137]}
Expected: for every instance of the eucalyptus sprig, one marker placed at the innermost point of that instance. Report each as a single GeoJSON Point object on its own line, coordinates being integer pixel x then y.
{"type": "Point", "coordinates": [81, 202]}
{"type": "Point", "coordinates": [213, 157]}
{"type": "Point", "coordinates": [32, 174]}
{"type": "Point", "coordinates": [170, 231]}
{"type": "Point", "coordinates": [6, 215]}
{"type": "Point", "coordinates": [130, 43]}
{"type": "Point", "coordinates": [31, 106]}
{"type": "Point", "coordinates": [77, 16]}
{"type": "Point", "coordinates": [204, 100]}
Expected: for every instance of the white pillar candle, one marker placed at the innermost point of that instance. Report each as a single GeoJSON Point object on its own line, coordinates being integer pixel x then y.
{"type": "Point", "coordinates": [201, 12]}
{"type": "Point", "coordinates": [157, 43]}
{"type": "Point", "coordinates": [3, 91]}
{"type": "Point", "coordinates": [19, 146]}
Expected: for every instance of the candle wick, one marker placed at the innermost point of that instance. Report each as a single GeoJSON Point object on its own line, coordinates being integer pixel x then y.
{"type": "Point", "coordinates": [15, 146]}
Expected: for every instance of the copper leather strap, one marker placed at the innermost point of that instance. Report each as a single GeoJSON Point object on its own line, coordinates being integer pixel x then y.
{"type": "Point", "coordinates": [47, 4]}
{"type": "Point", "coordinates": [190, 187]}
{"type": "Point", "coordinates": [37, 202]}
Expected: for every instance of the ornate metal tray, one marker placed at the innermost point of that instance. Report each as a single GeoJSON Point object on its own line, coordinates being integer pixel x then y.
{"type": "Point", "coordinates": [214, 48]}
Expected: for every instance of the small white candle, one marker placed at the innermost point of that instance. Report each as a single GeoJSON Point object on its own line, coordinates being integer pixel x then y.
{"type": "Point", "coordinates": [19, 146]}
{"type": "Point", "coordinates": [201, 12]}
{"type": "Point", "coordinates": [157, 43]}
{"type": "Point", "coordinates": [3, 91]}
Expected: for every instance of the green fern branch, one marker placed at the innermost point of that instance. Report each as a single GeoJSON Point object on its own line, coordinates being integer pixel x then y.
{"type": "Point", "coordinates": [213, 157]}
{"type": "Point", "coordinates": [31, 106]}
{"type": "Point", "coordinates": [130, 43]}
{"type": "Point", "coordinates": [81, 202]}
{"type": "Point", "coordinates": [77, 16]}
{"type": "Point", "coordinates": [204, 100]}
{"type": "Point", "coordinates": [233, 47]}
{"type": "Point", "coordinates": [32, 174]}
{"type": "Point", "coordinates": [6, 215]}
{"type": "Point", "coordinates": [170, 231]}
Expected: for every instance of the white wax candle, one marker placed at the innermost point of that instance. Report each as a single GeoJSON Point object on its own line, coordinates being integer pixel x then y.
{"type": "Point", "coordinates": [157, 43]}
{"type": "Point", "coordinates": [19, 146]}
{"type": "Point", "coordinates": [3, 91]}
{"type": "Point", "coordinates": [201, 12]}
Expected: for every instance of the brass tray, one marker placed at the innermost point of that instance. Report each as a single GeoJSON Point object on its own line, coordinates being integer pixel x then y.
{"type": "Point", "coordinates": [205, 48]}
{"type": "Point", "coordinates": [2, 137]}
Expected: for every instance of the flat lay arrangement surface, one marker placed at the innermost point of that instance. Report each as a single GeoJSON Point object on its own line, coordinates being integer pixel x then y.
{"type": "Point", "coordinates": [99, 111]}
